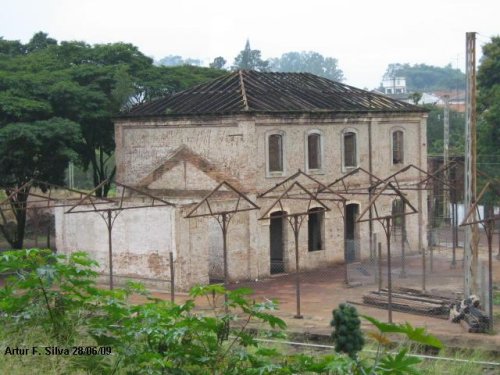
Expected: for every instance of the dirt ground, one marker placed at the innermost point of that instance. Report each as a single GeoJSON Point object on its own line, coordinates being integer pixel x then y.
{"type": "Point", "coordinates": [324, 290]}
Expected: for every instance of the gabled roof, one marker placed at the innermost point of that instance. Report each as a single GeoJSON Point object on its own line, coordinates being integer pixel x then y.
{"type": "Point", "coordinates": [250, 91]}
{"type": "Point", "coordinates": [185, 154]}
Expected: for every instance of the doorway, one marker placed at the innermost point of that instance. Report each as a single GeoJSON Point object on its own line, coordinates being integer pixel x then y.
{"type": "Point", "coordinates": [351, 232]}
{"type": "Point", "coordinates": [277, 236]}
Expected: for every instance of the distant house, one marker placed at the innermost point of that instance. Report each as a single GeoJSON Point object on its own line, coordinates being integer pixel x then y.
{"type": "Point", "coordinates": [394, 85]}
{"type": "Point", "coordinates": [253, 129]}
{"type": "Point", "coordinates": [456, 99]}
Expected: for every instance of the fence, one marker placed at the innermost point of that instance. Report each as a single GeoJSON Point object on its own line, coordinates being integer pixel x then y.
{"type": "Point", "coordinates": [39, 230]}
{"type": "Point", "coordinates": [423, 284]}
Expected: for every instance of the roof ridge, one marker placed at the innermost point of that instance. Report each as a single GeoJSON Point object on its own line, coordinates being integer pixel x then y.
{"type": "Point", "coordinates": [243, 91]}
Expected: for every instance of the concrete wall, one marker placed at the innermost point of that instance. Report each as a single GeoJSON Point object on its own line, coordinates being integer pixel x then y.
{"type": "Point", "coordinates": [142, 240]}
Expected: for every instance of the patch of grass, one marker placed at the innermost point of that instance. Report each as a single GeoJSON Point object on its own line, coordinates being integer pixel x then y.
{"type": "Point", "coordinates": [39, 363]}
{"type": "Point", "coordinates": [496, 297]}
{"type": "Point", "coordinates": [445, 367]}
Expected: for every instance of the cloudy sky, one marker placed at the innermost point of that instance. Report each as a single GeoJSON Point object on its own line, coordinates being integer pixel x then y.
{"type": "Point", "coordinates": [364, 35]}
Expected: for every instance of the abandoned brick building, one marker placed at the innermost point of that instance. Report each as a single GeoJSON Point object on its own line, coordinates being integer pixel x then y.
{"type": "Point", "coordinates": [251, 129]}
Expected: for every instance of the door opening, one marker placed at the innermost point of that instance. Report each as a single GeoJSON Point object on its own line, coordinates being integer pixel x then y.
{"type": "Point", "coordinates": [277, 242]}
{"type": "Point", "coordinates": [351, 233]}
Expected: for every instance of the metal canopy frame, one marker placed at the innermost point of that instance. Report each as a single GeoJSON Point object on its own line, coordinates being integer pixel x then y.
{"type": "Point", "coordinates": [223, 216]}
{"type": "Point", "coordinates": [109, 214]}
{"type": "Point", "coordinates": [296, 219]}
{"type": "Point", "coordinates": [445, 170]}
{"type": "Point", "coordinates": [421, 184]}
{"type": "Point", "coordinates": [488, 224]}
{"type": "Point", "coordinates": [386, 221]}
{"type": "Point", "coordinates": [319, 188]}
{"type": "Point", "coordinates": [346, 189]}
{"type": "Point", "coordinates": [41, 201]}
{"type": "Point", "coordinates": [47, 198]}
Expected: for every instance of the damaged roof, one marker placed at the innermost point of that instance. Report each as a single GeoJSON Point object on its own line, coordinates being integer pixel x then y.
{"type": "Point", "coordinates": [247, 91]}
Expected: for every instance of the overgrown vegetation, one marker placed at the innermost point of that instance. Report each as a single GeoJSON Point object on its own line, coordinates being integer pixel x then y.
{"type": "Point", "coordinates": [51, 300]}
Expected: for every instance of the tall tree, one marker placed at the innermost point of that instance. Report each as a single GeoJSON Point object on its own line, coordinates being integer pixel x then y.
{"type": "Point", "coordinates": [488, 79]}
{"type": "Point", "coordinates": [309, 62]}
{"type": "Point", "coordinates": [218, 63]}
{"type": "Point", "coordinates": [39, 149]}
{"type": "Point", "coordinates": [435, 131]}
{"type": "Point", "coordinates": [40, 41]}
{"type": "Point", "coordinates": [249, 59]}
{"type": "Point", "coordinates": [46, 87]}
{"type": "Point", "coordinates": [176, 60]}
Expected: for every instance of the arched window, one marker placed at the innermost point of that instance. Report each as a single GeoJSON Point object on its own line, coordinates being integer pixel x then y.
{"type": "Point", "coordinates": [314, 154]}
{"type": "Point", "coordinates": [275, 152]}
{"type": "Point", "coordinates": [315, 227]}
{"type": "Point", "coordinates": [350, 150]}
{"type": "Point", "coordinates": [398, 147]}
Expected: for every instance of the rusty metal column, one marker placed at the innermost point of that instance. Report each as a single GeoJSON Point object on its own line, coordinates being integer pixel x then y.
{"type": "Point", "coordinates": [297, 266]}
{"type": "Point", "coordinates": [498, 254]}
{"type": "Point", "coordinates": [346, 276]}
{"type": "Point", "coordinates": [490, 226]}
{"type": "Point", "coordinates": [389, 269]}
{"type": "Point", "coordinates": [424, 270]}
{"type": "Point", "coordinates": [172, 277]}
{"type": "Point", "coordinates": [453, 228]}
{"type": "Point", "coordinates": [224, 249]}
{"type": "Point", "coordinates": [403, 243]}
{"type": "Point", "coordinates": [373, 245]}
{"type": "Point", "coordinates": [379, 266]}
{"type": "Point", "coordinates": [109, 224]}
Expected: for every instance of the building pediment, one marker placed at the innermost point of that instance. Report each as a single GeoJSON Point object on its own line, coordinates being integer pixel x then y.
{"type": "Point", "coordinates": [185, 171]}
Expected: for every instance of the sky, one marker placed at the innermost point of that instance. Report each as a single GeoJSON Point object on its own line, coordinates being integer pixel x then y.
{"type": "Point", "coordinates": [363, 35]}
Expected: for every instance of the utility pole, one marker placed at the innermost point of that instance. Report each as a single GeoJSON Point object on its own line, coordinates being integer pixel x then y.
{"type": "Point", "coordinates": [446, 145]}
{"type": "Point", "coordinates": [71, 175]}
{"type": "Point", "coordinates": [471, 285]}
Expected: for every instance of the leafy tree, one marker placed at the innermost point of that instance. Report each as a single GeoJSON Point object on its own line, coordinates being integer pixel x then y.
{"type": "Point", "coordinates": [249, 59]}
{"type": "Point", "coordinates": [161, 81]}
{"type": "Point", "coordinates": [488, 79]}
{"type": "Point", "coordinates": [415, 97]}
{"type": "Point", "coordinates": [11, 47]}
{"type": "Point", "coordinates": [84, 84]}
{"type": "Point", "coordinates": [422, 77]}
{"type": "Point", "coordinates": [310, 62]}
{"type": "Point", "coordinates": [40, 41]}
{"type": "Point", "coordinates": [176, 60]}
{"type": "Point", "coordinates": [218, 63]}
{"type": "Point", "coordinates": [435, 131]}
{"type": "Point", "coordinates": [39, 149]}
{"type": "Point", "coordinates": [75, 81]}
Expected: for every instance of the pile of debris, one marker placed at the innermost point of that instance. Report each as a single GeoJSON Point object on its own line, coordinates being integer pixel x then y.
{"type": "Point", "coordinates": [468, 313]}
{"type": "Point", "coordinates": [412, 301]}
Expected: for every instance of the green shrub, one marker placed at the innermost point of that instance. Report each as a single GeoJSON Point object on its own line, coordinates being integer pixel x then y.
{"type": "Point", "coordinates": [347, 334]}
{"type": "Point", "coordinates": [53, 300]}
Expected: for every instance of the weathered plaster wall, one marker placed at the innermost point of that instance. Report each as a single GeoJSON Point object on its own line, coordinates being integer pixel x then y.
{"type": "Point", "coordinates": [140, 148]}
{"type": "Point", "coordinates": [238, 145]}
{"type": "Point", "coordinates": [142, 240]}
